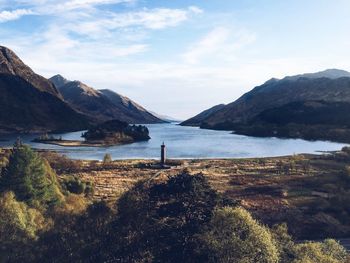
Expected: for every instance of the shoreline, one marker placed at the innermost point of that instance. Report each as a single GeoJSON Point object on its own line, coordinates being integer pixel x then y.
{"type": "Point", "coordinates": [76, 143]}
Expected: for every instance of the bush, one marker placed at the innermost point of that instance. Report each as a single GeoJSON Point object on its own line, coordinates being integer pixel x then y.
{"type": "Point", "coordinates": [328, 251]}
{"type": "Point", "coordinates": [234, 236]}
{"type": "Point", "coordinates": [107, 159]}
{"type": "Point", "coordinates": [161, 222]}
{"type": "Point", "coordinates": [18, 222]}
{"type": "Point", "coordinates": [61, 163]}
{"type": "Point", "coordinates": [3, 162]}
{"type": "Point", "coordinates": [74, 205]}
{"type": "Point", "coordinates": [75, 186]}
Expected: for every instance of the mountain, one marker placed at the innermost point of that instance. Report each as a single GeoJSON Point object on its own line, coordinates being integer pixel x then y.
{"type": "Point", "coordinates": [261, 110]}
{"type": "Point", "coordinates": [11, 64]}
{"type": "Point", "coordinates": [165, 118]}
{"type": "Point", "coordinates": [328, 73]}
{"type": "Point", "coordinates": [101, 105]}
{"type": "Point", "coordinates": [198, 119]}
{"type": "Point", "coordinates": [58, 80]}
{"type": "Point", "coordinates": [31, 103]}
{"type": "Point", "coordinates": [130, 108]}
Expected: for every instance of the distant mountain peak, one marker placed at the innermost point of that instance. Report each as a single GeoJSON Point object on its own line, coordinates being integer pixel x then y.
{"type": "Point", "coordinates": [328, 73]}
{"type": "Point", "coordinates": [272, 80]}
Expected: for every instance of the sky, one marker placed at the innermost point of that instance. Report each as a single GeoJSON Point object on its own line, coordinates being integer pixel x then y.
{"type": "Point", "coordinates": [177, 57]}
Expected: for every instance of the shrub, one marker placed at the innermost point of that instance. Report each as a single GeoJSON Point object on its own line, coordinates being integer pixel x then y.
{"type": "Point", "coordinates": [107, 158]}
{"type": "Point", "coordinates": [74, 205]}
{"type": "Point", "coordinates": [161, 222]}
{"type": "Point", "coordinates": [328, 251]}
{"type": "Point", "coordinates": [3, 162]}
{"type": "Point", "coordinates": [75, 186]}
{"type": "Point", "coordinates": [17, 221]}
{"type": "Point", "coordinates": [234, 236]}
{"type": "Point", "coordinates": [61, 163]}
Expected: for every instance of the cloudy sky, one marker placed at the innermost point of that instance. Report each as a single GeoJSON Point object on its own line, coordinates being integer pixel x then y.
{"type": "Point", "coordinates": [177, 57]}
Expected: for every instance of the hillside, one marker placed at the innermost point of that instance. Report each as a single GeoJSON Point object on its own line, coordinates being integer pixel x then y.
{"type": "Point", "coordinates": [198, 119]}
{"type": "Point", "coordinates": [11, 64]}
{"type": "Point", "coordinates": [250, 111]}
{"type": "Point", "coordinates": [130, 108]}
{"type": "Point", "coordinates": [31, 103]}
{"type": "Point", "coordinates": [101, 105]}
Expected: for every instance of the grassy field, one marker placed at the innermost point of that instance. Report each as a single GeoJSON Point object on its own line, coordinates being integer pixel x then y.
{"type": "Point", "coordinates": [308, 192]}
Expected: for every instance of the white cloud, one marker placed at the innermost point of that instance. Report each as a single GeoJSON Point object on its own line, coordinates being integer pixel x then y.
{"type": "Point", "coordinates": [13, 15]}
{"type": "Point", "coordinates": [152, 19]}
{"type": "Point", "coordinates": [79, 4]}
{"type": "Point", "coordinates": [207, 45]}
{"type": "Point", "coordinates": [220, 42]}
{"type": "Point", "coordinates": [49, 7]}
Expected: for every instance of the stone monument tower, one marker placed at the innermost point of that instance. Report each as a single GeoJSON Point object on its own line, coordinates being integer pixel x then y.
{"type": "Point", "coordinates": [163, 154]}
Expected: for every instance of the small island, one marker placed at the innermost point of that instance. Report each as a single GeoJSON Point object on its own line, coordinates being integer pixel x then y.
{"type": "Point", "coordinates": [109, 133]}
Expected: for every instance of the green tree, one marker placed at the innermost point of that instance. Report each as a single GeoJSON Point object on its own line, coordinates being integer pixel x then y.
{"type": "Point", "coordinates": [234, 236]}
{"type": "Point", "coordinates": [31, 178]}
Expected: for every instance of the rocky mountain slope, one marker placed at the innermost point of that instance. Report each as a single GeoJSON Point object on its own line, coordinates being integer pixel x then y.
{"type": "Point", "coordinates": [101, 105]}
{"type": "Point", "coordinates": [31, 103]}
{"type": "Point", "coordinates": [260, 111]}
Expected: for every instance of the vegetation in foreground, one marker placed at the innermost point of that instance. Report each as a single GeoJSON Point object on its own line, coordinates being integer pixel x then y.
{"type": "Point", "coordinates": [180, 218]}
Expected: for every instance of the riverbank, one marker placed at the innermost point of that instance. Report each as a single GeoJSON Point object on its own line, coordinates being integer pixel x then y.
{"type": "Point", "coordinates": [77, 143]}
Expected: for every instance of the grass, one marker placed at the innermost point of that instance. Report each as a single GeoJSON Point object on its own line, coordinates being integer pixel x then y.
{"type": "Point", "coordinates": [274, 190]}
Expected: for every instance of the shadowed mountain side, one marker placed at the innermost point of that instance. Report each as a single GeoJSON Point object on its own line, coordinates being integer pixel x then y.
{"type": "Point", "coordinates": [24, 108]}
{"type": "Point", "coordinates": [310, 120]}
{"type": "Point", "coordinates": [279, 93]}
{"type": "Point", "coordinates": [288, 107]}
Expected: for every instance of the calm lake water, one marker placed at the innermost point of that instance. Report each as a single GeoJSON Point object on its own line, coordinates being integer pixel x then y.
{"type": "Point", "coordinates": [186, 142]}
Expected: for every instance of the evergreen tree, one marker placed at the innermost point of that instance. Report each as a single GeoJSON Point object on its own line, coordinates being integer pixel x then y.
{"type": "Point", "coordinates": [30, 178]}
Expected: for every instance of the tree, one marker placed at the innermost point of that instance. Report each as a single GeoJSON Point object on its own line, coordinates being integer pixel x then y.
{"type": "Point", "coordinates": [234, 236]}
{"type": "Point", "coordinates": [31, 178]}
{"type": "Point", "coordinates": [160, 222]}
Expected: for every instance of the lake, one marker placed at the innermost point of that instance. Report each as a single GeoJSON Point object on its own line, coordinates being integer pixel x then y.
{"type": "Point", "coordinates": [186, 142]}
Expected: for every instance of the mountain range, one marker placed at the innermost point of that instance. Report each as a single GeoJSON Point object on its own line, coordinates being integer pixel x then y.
{"type": "Point", "coordinates": [102, 105]}
{"type": "Point", "coordinates": [294, 106]}
{"type": "Point", "coordinates": [31, 103]}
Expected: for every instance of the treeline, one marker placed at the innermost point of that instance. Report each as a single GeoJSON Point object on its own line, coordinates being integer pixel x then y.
{"type": "Point", "coordinates": [182, 219]}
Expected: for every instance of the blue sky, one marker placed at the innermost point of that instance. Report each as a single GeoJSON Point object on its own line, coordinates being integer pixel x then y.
{"type": "Point", "coordinates": [177, 57]}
